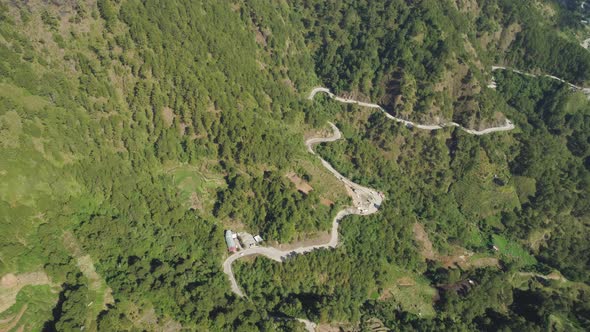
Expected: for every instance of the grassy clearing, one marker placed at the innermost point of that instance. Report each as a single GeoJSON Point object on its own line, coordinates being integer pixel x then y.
{"type": "Point", "coordinates": [495, 221]}
{"type": "Point", "coordinates": [478, 195]}
{"type": "Point", "coordinates": [16, 256]}
{"type": "Point", "coordinates": [37, 302]}
{"type": "Point", "coordinates": [30, 102]}
{"type": "Point", "coordinates": [513, 250]}
{"type": "Point", "coordinates": [11, 284]}
{"type": "Point", "coordinates": [525, 187]}
{"type": "Point", "coordinates": [412, 292]}
{"type": "Point", "coordinates": [197, 185]}
{"type": "Point", "coordinates": [575, 102]}
{"type": "Point", "coordinates": [474, 238]}
{"type": "Point", "coordinates": [98, 291]}
{"type": "Point", "coordinates": [537, 238]}
{"type": "Point", "coordinates": [323, 182]}
{"type": "Point", "coordinates": [33, 174]}
{"type": "Point", "coordinates": [559, 322]}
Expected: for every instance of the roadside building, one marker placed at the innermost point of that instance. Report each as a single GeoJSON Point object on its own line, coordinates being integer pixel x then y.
{"type": "Point", "coordinates": [247, 240]}
{"type": "Point", "coordinates": [229, 240]}
{"type": "Point", "coordinates": [258, 239]}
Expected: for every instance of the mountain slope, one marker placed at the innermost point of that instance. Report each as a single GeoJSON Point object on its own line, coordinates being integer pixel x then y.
{"type": "Point", "coordinates": [133, 133]}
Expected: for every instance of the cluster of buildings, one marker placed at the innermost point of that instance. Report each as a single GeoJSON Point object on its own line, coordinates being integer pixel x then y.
{"type": "Point", "coordinates": [237, 241]}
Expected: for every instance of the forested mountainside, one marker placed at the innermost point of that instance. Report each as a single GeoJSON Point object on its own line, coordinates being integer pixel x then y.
{"type": "Point", "coordinates": [430, 60]}
{"type": "Point", "coordinates": [134, 132]}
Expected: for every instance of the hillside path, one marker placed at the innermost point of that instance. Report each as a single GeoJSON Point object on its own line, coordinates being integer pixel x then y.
{"type": "Point", "coordinates": [586, 91]}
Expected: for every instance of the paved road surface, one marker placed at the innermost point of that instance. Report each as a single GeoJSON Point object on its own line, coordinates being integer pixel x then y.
{"type": "Point", "coordinates": [365, 201]}
{"type": "Point", "coordinates": [507, 126]}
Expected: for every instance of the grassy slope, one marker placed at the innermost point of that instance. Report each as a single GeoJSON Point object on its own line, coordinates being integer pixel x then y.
{"type": "Point", "coordinates": [38, 300]}
{"type": "Point", "coordinates": [34, 174]}
{"type": "Point", "coordinates": [69, 59]}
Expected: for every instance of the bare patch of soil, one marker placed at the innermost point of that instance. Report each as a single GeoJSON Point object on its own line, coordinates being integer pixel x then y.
{"type": "Point", "coordinates": [376, 325]}
{"type": "Point", "coordinates": [326, 132]}
{"type": "Point", "coordinates": [459, 257]}
{"type": "Point", "coordinates": [84, 262]}
{"type": "Point", "coordinates": [260, 39]}
{"type": "Point", "coordinates": [467, 6]}
{"type": "Point", "coordinates": [13, 321]}
{"type": "Point", "coordinates": [108, 296]}
{"type": "Point", "coordinates": [86, 266]}
{"type": "Point", "coordinates": [422, 238]}
{"type": "Point", "coordinates": [405, 281]}
{"type": "Point", "coordinates": [334, 328]}
{"type": "Point", "coordinates": [452, 81]}
{"type": "Point", "coordinates": [385, 295]}
{"type": "Point", "coordinates": [301, 184]}
{"type": "Point", "coordinates": [485, 261]}
{"type": "Point", "coordinates": [289, 84]}
{"type": "Point", "coordinates": [168, 116]}
{"type": "Point", "coordinates": [11, 284]}
{"type": "Point", "coordinates": [6, 320]}
{"type": "Point", "coordinates": [469, 48]}
{"type": "Point", "coordinates": [326, 202]}
{"type": "Point", "coordinates": [508, 35]}
{"type": "Point", "coordinates": [539, 238]}
{"type": "Point", "coordinates": [195, 202]}
{"type": "Point", "coordinates": [234, 224]}
{"type": "Point", "coordinates": [551, 276]}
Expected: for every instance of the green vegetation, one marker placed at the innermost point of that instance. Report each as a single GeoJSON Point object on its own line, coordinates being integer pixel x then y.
{"type": "Point", "coordinates": [326, 285]}
{"type": "Point", "coordinates": [85, 145]}
{"type": "Point", "coordinates": [554, 153]}
{"type": "Point", "coordinates": [271, 205]}
{"type": "Point", "coordinates": [196, 189]}
{"type": "Point", "coordinates": [132, 133]}
{"type": "Point", "coordinates": [512, 250]}
{"type": "Point", "coordinates": [32, 308]}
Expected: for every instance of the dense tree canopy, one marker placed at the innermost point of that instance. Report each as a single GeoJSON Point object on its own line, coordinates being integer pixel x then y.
{"type": "Point", "coordinates": [133, 133]}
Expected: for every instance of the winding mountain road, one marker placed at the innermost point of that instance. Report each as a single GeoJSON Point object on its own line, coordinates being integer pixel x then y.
{"type": "Point", "coordinates": [365, 200]}
{"type": "Point", "coordinates": [507, 126]}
